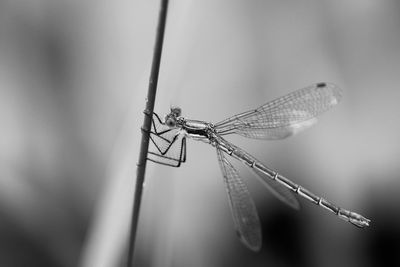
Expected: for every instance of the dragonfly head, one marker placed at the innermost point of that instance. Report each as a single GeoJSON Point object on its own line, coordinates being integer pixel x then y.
{"type": "Point", "coordinates": [176, 110]}
{"type": "Point", "coordinates": [172, 119]}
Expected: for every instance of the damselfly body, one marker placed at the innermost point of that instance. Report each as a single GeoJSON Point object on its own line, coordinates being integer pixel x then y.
{"type": "Point", "coordinates": [277, 119]}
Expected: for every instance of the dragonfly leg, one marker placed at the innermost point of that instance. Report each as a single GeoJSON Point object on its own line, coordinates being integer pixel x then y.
{"type": "Point", "coordinates": [165, 139]}
{"type": "Point", "coordinates": [160, 122]}
{"type": "Point", "coordinates": [170, 160]}
{"type": "Point", "coordinates": [170, 143]}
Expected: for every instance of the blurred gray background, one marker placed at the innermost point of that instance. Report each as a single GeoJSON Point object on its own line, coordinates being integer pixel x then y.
{"type": "Point", "coordinates": [73, 80]}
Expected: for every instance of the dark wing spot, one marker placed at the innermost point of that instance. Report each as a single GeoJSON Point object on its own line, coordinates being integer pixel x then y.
{"type": "Point", "coordinates": [320, 85]}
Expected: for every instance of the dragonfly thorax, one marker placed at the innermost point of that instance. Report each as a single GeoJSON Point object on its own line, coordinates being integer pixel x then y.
{"type": "Point", "coordinates": [193, 128]}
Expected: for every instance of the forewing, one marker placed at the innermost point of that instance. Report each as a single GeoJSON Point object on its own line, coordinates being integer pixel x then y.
{"type": "Point", "coordinates": [283, 116]}
{"type": "Point", "coordinates": [244, 212]}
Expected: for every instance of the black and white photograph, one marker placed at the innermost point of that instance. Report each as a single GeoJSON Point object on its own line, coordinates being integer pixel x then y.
{"type": "Point", "coordinates": [182, 133]}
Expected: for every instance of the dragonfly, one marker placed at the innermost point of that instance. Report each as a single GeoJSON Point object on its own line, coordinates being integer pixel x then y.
{"type": "Point", "coordinates": [277, 119]}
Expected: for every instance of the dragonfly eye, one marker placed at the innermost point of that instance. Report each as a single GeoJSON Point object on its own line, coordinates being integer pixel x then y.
{"type": "Point", "coordinates": [177, 111]}
{"type": "Point", "coordinates": [170, 122]}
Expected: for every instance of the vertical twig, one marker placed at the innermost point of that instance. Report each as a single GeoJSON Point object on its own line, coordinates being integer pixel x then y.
{"type": "Point", "coordinates": [144, 146]}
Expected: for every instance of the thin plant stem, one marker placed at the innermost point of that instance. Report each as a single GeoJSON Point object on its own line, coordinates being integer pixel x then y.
{"type": "Point", "coordinates": [144, 146]}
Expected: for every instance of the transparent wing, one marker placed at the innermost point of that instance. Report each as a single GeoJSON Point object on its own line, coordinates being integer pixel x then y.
{"type": "Point", "coordinates": [278, 190]}
{"type": "Point", "coordinates": [283, 116]}
{"type": "Point", "coordinates": [244, 212]}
